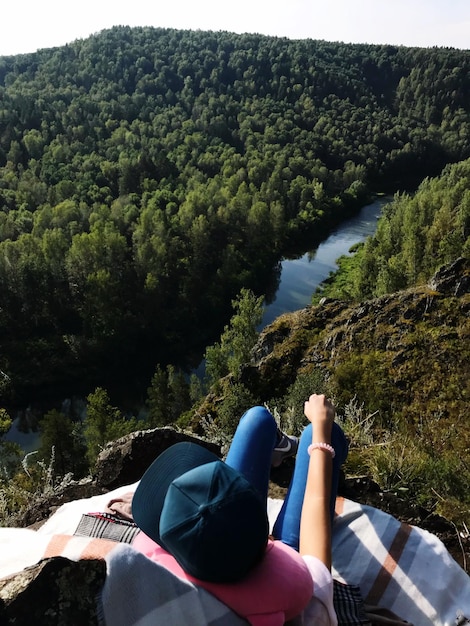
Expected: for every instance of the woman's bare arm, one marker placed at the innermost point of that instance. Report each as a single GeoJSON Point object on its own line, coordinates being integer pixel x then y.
{"type": "Point", "coordinates": [315, 522]}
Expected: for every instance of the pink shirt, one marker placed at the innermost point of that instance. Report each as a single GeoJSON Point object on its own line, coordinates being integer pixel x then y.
{"type": "Point", "coordinates": [278, 589]}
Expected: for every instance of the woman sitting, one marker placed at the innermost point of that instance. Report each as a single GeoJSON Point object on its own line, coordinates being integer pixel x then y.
{"type": "Point", "coordinates": [206, 520]}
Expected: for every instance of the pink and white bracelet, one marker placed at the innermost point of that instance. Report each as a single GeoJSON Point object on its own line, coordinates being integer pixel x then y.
{"type": "Point", "coordinates": [322, 446]}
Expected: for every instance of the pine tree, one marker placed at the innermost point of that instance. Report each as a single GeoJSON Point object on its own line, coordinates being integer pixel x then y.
{"type": "Point", "coordinates": [104, 423]}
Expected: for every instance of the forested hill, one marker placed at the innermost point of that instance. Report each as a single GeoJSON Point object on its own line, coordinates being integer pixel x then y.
{"type": "Point", "coordinates": [147, 175]}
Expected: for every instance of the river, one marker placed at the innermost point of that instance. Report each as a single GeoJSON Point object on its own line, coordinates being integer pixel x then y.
{"type": "Point", "coordinates": [301, 276]}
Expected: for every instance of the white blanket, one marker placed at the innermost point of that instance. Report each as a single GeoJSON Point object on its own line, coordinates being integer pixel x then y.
{"type": "Point", "coordinates": [397, 566]}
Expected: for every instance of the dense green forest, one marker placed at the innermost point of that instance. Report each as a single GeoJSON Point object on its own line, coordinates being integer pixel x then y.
{"type": "Point", "coordinates": [148, 175]}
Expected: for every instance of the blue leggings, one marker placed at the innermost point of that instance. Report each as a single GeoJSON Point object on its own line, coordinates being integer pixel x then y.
{"type": "Point", "coordinates": [250, 453]}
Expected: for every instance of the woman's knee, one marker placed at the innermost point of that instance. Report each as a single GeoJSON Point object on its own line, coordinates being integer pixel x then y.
{"type": "Point", "coordinates": [258, 417]}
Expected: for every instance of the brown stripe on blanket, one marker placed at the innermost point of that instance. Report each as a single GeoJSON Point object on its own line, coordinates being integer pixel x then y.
{"type": "Point", "coordinates": [339, 506]}
{"type": "Point", "coordinates": [56, 545]}
{"type": "Point", "coordinates": [389, 565]}
{"type": "Point", "coordinates": [97, 549]}
{"type": "Point", "coordinates": [77, 548]}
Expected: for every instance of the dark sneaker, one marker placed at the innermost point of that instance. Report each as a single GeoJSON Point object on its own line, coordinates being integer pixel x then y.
{"type": "Point", "coordinates": [286, 447]}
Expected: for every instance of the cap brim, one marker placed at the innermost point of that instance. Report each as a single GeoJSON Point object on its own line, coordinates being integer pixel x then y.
{"type": "Point", "coordinates": [149, 497]}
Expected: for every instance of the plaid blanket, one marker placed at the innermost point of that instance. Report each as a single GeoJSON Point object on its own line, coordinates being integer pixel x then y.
{"type": "Point", "coordinates": [399, 567]}
{"type": "Point", "coordinates": [107, 526]}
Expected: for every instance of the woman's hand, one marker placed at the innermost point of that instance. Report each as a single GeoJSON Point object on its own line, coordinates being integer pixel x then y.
{"type": "Point", "coordinates": [321, 413]}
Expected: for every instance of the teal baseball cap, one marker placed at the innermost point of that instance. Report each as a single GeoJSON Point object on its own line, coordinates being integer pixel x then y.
{"type": "Point", "coordinates": [206, 514]}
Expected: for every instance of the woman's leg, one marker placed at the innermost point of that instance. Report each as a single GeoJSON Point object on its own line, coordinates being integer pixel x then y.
{"type": "Point", "coordinates": [287, 525]}
{"type": "Point", "coordinates": [252, 447]}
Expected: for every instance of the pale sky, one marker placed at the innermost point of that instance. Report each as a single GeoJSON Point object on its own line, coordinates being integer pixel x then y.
{"type": "Point", "coordinates": [31, 24]}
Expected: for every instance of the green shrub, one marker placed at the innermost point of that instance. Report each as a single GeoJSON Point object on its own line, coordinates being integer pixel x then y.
{"type": "Point", "coordinates": [289, 410]}
{"type": "Point", "coordinates": [363, 375]}
{"type": "Point", "coordinates": [236, 400]}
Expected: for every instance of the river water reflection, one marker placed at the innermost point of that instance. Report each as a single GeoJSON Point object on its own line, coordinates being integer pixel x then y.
{"type": "Point", "coordinates": [300, 277]}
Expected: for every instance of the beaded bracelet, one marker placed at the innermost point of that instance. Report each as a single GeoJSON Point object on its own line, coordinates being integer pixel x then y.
{"type": "Point", "coordinates": [322, 446]}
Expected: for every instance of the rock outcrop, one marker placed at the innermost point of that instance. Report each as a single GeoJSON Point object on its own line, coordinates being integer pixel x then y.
{"type": "Point", "coordinates": [405, 334]}
{"type": "Point", "coordinates": [55, 592]}
{"type": "Point", "coordinates": [121, 462]}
